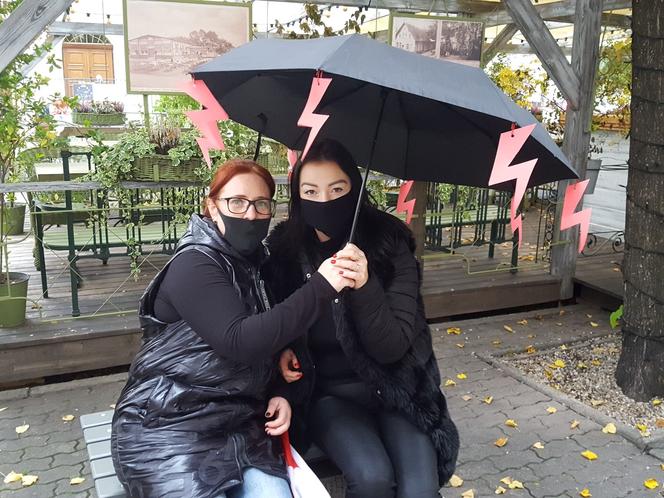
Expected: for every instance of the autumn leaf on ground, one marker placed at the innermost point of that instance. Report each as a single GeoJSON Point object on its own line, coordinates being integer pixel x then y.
{"type": "Point", "coordinates": [551, 410]}
{"type": "Point", "coordinates": [508, 328]}
{"type": "Point", "coordinates": [516, 484]}
{"type": "Point", "coordinates": [585, 493]}
{"type": "Point", "coordinates": [523, 322]}
{"type": "Point", "coordinates": [643, 429]}
{"type": "Point", "coordinates": [3, 408]}
{"type": "Point", "coordinates": [496, 342]}
{"type": "Point", "coordinates": [575, 424]}
{"type": "Point", "coordinates": [661, 466]}
{"type": "Point", "coordinates": [609, 428]}
{"type": "Point", "coordinates": [511, 423]}
{"type": "Point", "coordinates": [455, 481]}
{"type": "Point", "coordinates": [563, 347]}
{"type": "Point", "coordinates": [532, 336]}
{"type": "Point", "coordinates": [466, 397]}
{"type": "Point", "coordinates": [651, 483]}
{"type": "Point", "coordinates": [561, 312]}
{"type": "Point", "coordinates": [500, 442]}
{"type": "Point", "coordinates": [462, 376]}
{"type": "Point", "coordinates": [22, 428]}
{"type": "Point", "coordinates": [454, 331]}
{"type": "Point", "coordinates": [581, 365]}
{"type": "Point", "coordinates": [68, 418]}
{"type": "Point", "coordinates": [459, 345]}
{"type": "Point", "coordinates": [560, 324]}
{"type": "Point", "coordinates": [12, 477]}
{"type": "Point", "coordinates": [589, 455]}
{"type": "Point", "coordinates": [76, 480]}
{"type": "Point", "coordinates": [468, 494]}
{"type": "Point", "coordinates": [500, 490]}
{"type": "Point", "coordinates": [488, 400]}
{"type": "Point", "coordinates": [531, 349]}
{"type": "Point", "coordinates": [538, 445]}
{"type": "Point", "coordinates": [659, 423]}
{"type": "Point", "coordinates": [588, 315]}
{"type": "Point", "coordinates": [29, 480]}
{"type": "Point", "coordinates": [596, 402]}
{"type": "Point", "coordinates": [450, 383]}
{"type": "Point", "coordinates": [559, 363]}
{"type": "Point", "coordinates": [548, 374]}
{"type": "Point", "coordinates": [655, 402]}
{"type": "Point", "coordinates": [112, 406]}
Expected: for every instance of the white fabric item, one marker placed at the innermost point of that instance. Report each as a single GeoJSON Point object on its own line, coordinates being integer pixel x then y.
{"type": "Point", "coordinates": [304, 483]}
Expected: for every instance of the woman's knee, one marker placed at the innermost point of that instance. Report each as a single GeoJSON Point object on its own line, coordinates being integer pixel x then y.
{"type": "Point", "coordinates": [370, 481]}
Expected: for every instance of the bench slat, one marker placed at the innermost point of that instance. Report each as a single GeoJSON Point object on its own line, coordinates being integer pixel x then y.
{"type": "Point", "coordinates": [96, 434]}
{"type": "Point", "coordinates": [103, 467]}
{"type": "Point", "coordinates": [95, 419]}
{"type": "Point", "coordinates": [101, 449]}
{"type": "Point", "coordinates": [109, 487]}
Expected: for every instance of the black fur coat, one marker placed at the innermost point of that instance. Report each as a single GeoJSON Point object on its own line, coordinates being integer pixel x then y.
{"type": "Point", "coordinates": [409, 383]}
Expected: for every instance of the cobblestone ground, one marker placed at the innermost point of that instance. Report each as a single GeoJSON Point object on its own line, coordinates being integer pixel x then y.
{"type": "Point", "coordinates": [54, 450]}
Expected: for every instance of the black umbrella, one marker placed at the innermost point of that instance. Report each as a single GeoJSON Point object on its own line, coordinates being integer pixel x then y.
{"type": "Point", "coordinates": [400, 113]}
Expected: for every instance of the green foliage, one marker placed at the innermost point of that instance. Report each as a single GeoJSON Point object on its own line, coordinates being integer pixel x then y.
{"type": "Point", "coordinates": [614, 78]}
{"type": "Point", "coordinates": [616, 316]}
{"type": "Point", "coordinates": [174, 107]}
{"type": "Point", "coordinates": [313, 25]}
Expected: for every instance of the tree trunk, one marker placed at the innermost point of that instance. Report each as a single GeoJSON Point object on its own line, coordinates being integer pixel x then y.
{"type": "Point", "coordinates": [640, 371]}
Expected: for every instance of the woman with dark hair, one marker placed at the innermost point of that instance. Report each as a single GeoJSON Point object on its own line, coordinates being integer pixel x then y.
{"type": "Point", "coordinates": [191, 420]}
{"type": "Point", "coordinates": [365, 381]}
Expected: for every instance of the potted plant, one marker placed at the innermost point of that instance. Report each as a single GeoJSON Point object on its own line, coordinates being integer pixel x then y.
{"type": "Point", "coordinates": [104, 113]}
{"type": "Point", "coordinates": [24, 122]}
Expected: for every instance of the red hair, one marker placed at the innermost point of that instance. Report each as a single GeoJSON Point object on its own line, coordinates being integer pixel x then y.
{"type": "Point", "coordinates": [237, 167]}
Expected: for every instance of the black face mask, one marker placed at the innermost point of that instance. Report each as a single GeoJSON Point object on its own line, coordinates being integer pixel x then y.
{"type": "Point", "coordinates": [245, 236]}
{"type": "Point", "coordinates": [333, 218]}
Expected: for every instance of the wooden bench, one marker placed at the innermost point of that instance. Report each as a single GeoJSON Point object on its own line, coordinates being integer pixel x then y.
{"type": "Point", "coordinates": [97, 435]}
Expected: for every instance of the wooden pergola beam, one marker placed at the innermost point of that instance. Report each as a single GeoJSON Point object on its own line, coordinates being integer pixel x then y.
{"type": "Point", "coordinates": [549, 11]}
{"type": "Point", "coordinates": [512, 48]}
{"type": "Point", "coordinates": [499, 42]}
{"type": "Point", "coordinates": [611, 20]}
{"type": "Point", "coordinates": [535, 31]}
{"type": "Point", "coordinates": [84, 28]}
{"type": "Point", "coordinates": [23, 25]}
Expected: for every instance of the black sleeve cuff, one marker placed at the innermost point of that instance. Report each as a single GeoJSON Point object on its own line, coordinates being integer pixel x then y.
{"type": "Point", "coordinates": [324, 289]}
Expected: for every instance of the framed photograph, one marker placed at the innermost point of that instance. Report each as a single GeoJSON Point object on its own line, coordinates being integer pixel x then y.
{"type": "Point", "coordinates": [165, 39]}
{"type": "Point", "coordinates": [442, 38]}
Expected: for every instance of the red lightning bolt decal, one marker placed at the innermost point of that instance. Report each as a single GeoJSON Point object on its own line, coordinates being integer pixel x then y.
{"type": "Point", "coordinates": [573, 194]}
{"type": "Point", "coordinates": [404, 206]}
{"type": "Point", "coordinates": [308, 118]}
{"type": "Point", "coordinates": [205, 120]}
{"type": "Point", "coordinates": [292, 160]}
{"type": "Point", "coordinates": [508, 147]}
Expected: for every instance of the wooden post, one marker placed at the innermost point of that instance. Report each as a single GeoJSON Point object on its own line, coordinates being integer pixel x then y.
{"type": "Point", "coordinates": [576, 143]}
{"type": "Point", "coordinates": [24, 25]}
{"type": "Point", "coordinates": [419, 192]}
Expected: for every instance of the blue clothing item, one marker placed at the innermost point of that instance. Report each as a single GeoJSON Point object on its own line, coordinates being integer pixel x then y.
{"type": "Point", "coordinates": [258, 484]}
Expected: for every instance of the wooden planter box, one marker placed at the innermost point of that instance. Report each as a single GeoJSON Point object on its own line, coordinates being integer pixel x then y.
{"type": "Point", "coordinates": [157, 168]}
{"type": "Point", "coordinates": [83, 118]}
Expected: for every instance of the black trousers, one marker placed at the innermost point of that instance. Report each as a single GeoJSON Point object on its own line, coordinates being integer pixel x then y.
{"type": "Point", "coordinates": [381, 454]}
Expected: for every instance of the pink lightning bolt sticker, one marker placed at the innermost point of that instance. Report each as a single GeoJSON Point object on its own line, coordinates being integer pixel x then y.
{"type": "Point", "coordinates": [569, 218]}
{"type": "Point", "coordinates": [508, 147]}
{"type": "Point", "coordinates": [205, 120]}
{"type": "Point", "coordinates": [308, 118]}
{"type": "Point", "coordinates": [292, 160]}
{"type": "Point", "coordinates": [404, 206]}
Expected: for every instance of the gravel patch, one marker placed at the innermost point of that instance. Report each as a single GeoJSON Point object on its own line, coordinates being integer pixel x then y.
{"type": "Point", "coordinates": [585, 371]}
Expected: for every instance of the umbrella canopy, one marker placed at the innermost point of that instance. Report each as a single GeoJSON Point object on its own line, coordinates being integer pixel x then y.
{"type": "Point", "coordinates": [438, 120]}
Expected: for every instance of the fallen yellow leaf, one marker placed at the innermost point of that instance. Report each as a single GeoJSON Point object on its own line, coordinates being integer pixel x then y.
{"type": "Point", "coordinates": [500, 490]}
{"type": "Point", "coordinates": [559, 363]}
{"type": "Point", "coordinates": [511, 423]}
{"type": "Point", "coordinates": [659, 423]}
{"type": "Point", "coordinates": [655, 402]}
{"type": "Point", "coordinates": [77, 480]}
{"type": "Point", "coordinates": [516, 484]}
{"type": "Point", "coordinates": [501, 442]}
{"type": "Point", "coordinates": [459, 345]}
{"type": "Point", "coordinates": [552, 410]}
{"type": "Point", "coordinates": [496, 342]}
{"type": "Point", "coordinates": [642, 427]}
{"type": "Point", "coordinates": [574, 424]}
{"type": "Point", "coordinates": [616, 269]}
{"type": "Point", "coordinates": [3, 408]}
{"type": "Point", "coordinates": [112, 406]}
{"type": "Point", "coordinates": [454, 330]}
{"type": "Point", "coordinates": [68, 418]}
{"type": "Point", "coordinates": [538, 445]}
{"type": "Point", "coordinates": [561, 312]}
{"type": "Point", "coordinates": [560, 324]}
{"type": "Point", "coordinates": [29, 480]}
{"type": "Point", "coordinates": [589, 455]}
{"type": "Point", "coordinates": [563, 347]}
{"type": "Point", "coordinates": [661, 466]}
{"type": "Point", "coordinates": [468, 494]}
{"type": "Point", "coordinates": [594, 324]}
{"type": "Point", "coordinates": [466, 397]}
{"type": "Point", "coordinates": [22, 428]}
{"type": "Point", "coordinates": [588, 315]}
{"type": "Point", "coordinates": [523, 322]}
{"type": "Point", "coordinates": [488, 400]}
{"type": "Point", "coordinates": [532, 336]}
{"type": "Point", "coordinates": [548, 373]}
{"type": "Point", "coordinates": [456, 481]}
{"type": "Point", "coordinates": [581, 365]}
{"type": "Point", "coordinates": [450, 383]}
{"type": "Point", "coordinates": [585, 493]}
{"type": "Point", "coordinates": [508, 328]}
{"type": "Point", "coordinates": [462, 376]}
{"type": "Point", "coordinates": [609, 428]}
{"type": "Point", "coordinates": [12, 477]}
{"type": "Point", "coordinates": [531, 349]}
{"type": "Point", "coordinates": [596, 363]}
{"type": "Point", "coordinates": [596, 402]}
{"type": "Point", "coordinates": [651, 483]}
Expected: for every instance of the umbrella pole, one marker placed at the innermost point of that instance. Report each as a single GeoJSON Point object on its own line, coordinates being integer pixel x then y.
{"type": "Point", "coordinates": [258, 146]}
{"type": "Point", "coordinates": [365, 177]}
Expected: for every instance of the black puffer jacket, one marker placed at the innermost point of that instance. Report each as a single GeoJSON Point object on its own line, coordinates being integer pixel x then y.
{"type": "Point", "coordinates": [406, 377]}
{"type": "Point", "coordinates": [188, 420]}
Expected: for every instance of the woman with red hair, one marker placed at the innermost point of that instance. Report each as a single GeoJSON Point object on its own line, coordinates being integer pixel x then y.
{"type": "Point", "coordinates": [198, 412]}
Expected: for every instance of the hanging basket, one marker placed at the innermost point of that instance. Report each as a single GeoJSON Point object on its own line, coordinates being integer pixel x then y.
{"type": "Point", "coordinates": [157, 168]}
{"type": "Point", "coordinates": [93, 119]}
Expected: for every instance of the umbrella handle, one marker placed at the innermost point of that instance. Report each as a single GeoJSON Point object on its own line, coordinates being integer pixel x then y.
{"type": "Point", "coordinates": [358, 207]}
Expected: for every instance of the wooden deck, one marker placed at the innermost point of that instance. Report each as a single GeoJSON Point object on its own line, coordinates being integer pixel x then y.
{"type": "Point", "coordinates": [107, 332]}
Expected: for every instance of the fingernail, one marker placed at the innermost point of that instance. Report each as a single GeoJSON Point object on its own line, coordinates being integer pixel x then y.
{"type": "Point", "coordinates": [341, 273]}
{"type": "Point", "coordinates": [334, 255]}
{"type": "Point", "coordinates": [334, 261]}
{"type": "Point", "coordinates": [268, 414]}
{"type": "Point", "coordinates": [296, 365]}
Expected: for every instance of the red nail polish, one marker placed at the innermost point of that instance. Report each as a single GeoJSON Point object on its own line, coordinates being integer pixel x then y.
{"type": "Point", "coordinates": [341, 273]}
{"type": "Point", "coordinates": [334, 255]}
{"type": "Point", "coordinates": [334, 261]}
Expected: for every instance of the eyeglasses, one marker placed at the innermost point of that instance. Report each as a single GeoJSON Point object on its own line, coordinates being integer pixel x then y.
{"type": "Point", "coordinates": [240, 205]}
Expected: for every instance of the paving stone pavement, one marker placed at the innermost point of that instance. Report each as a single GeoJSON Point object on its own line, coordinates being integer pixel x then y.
{"type": "Point", "coordinates": [54, 449]}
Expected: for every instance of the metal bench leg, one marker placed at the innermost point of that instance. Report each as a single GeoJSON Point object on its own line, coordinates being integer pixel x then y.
{"type": "Point", "coordinates": [41, 258]}
{"type": "Point", "coordinates": [492, 238]}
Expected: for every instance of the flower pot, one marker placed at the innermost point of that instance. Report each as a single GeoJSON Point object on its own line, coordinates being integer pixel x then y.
{"type": "Point", "coordinates": [13, 299]}
{"type": "Point", "coordinates": [83, 118]}
{"type": "Point", "coordinates": [13, 219]}
{"type": "Point", "coordinates": [156, 168]}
